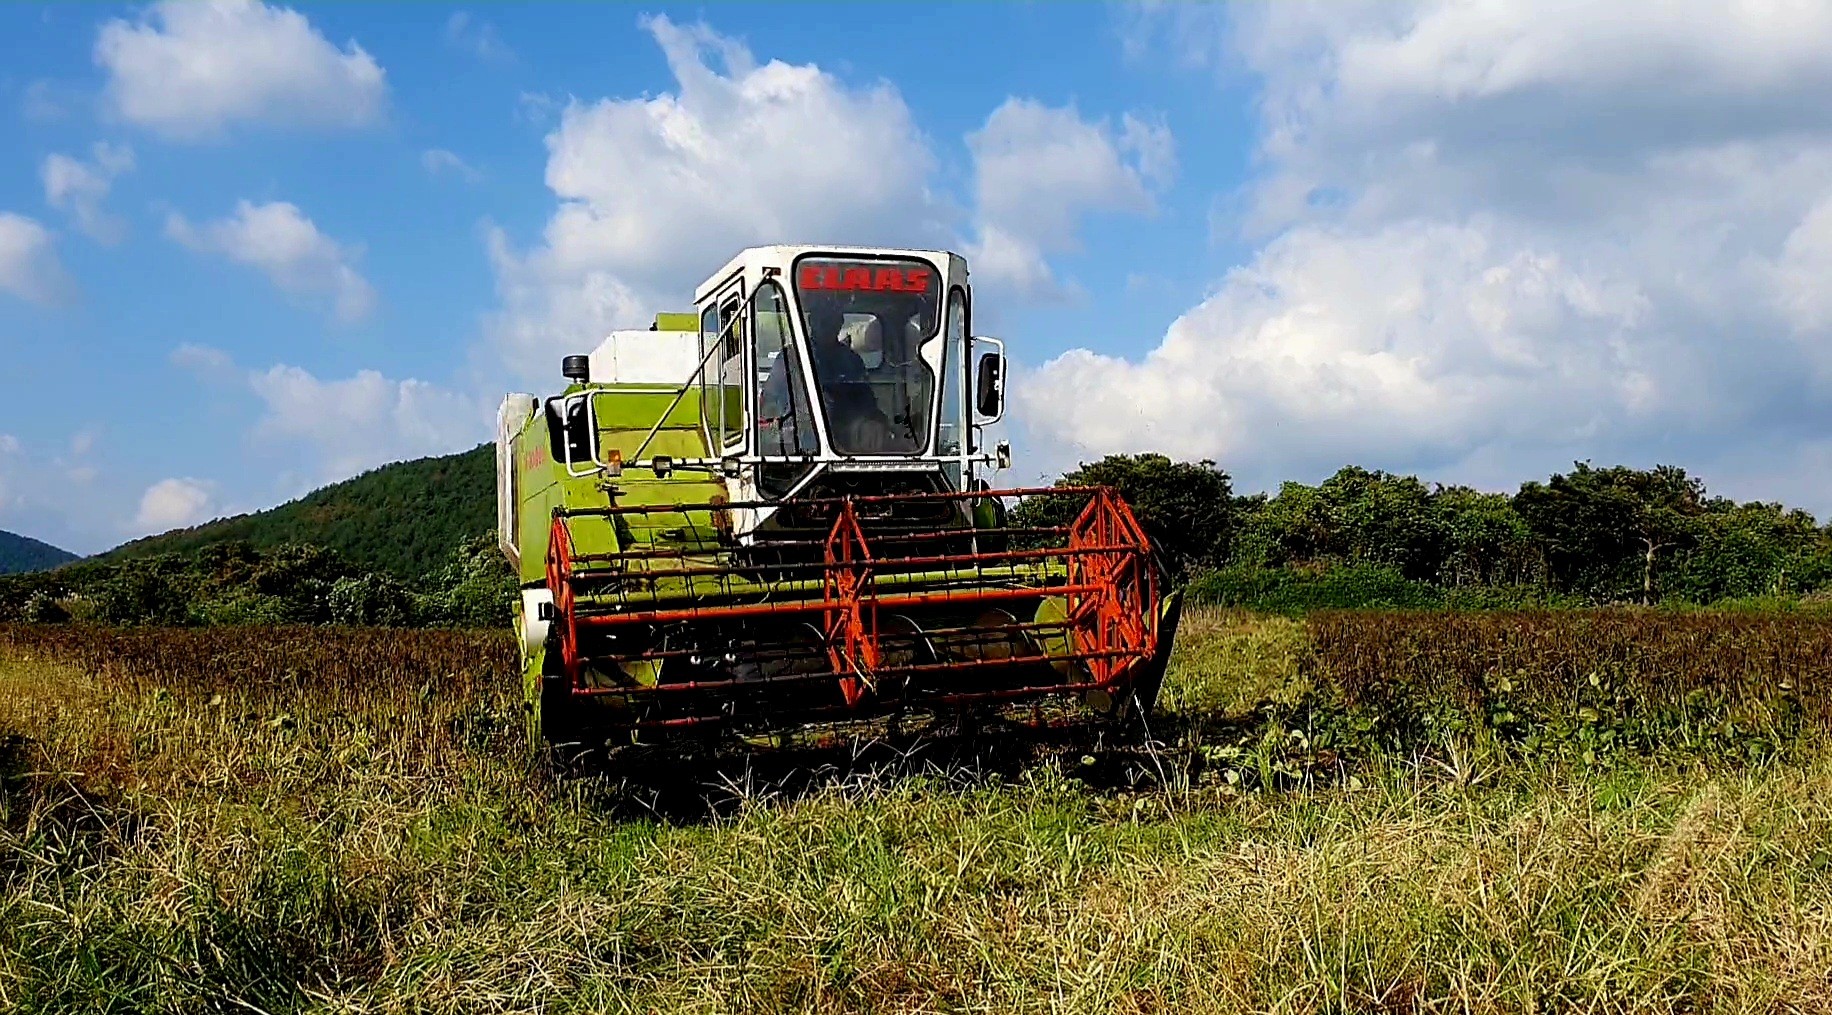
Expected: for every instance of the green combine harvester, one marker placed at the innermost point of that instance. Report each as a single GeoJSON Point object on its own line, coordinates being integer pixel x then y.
{"type": "Point", "coordinates": [770, 515]}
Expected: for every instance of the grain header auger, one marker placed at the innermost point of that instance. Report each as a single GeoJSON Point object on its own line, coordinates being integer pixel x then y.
{"type": "Point", "coordinates": [771, 514]}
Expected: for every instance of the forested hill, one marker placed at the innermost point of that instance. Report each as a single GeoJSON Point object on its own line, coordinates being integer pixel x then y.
{"type": "Point", "coordinates": [23, 553]}
{"type": "Point", "coordinates": [403, 518]}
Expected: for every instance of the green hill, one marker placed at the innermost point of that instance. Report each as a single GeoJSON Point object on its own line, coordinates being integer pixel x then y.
{"type": "Point", "coordinates": [403, 518]}
{"type": "Point", "coordinates": [23, 553]}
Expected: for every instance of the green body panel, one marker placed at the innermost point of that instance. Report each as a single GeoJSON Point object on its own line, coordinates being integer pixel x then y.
{"type": "Point", "coordinates": [625, 415]}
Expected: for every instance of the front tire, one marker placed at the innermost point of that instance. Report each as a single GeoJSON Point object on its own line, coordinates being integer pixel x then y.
{"type": "Point", "coordinates": [1134, 713]}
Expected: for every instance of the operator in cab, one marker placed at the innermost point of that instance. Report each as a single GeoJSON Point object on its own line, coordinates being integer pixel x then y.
{"type": "Point", "coordinates": [853, 415]}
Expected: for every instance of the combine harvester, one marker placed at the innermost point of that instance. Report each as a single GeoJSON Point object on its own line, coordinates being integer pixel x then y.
{"type": "Point", "coordinates": [770, 515]}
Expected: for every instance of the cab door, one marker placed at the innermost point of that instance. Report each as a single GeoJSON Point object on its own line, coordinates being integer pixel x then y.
{"type": "Point", "coordinates": [725, 403]}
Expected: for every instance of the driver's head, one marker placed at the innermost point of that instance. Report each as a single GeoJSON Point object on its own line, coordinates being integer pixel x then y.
{"type": "Point", "coordinates": [824, 323]}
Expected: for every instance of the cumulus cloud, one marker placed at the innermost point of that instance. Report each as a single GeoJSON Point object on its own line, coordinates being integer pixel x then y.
{"type": "Point", "coordinates": [44, 102]}
{"type": "Point", "coordinates": [439, 162]}
{"type": "Point", "coordinates": [362, 421]}
{"type": "Point", "coordinates": [1496, 237]}
{"type": "Point", "coordinates": [175, 503]}
{"type": "Point", "coordinates": [43, 492]}
{"type": "Point", "coordinates": [466, 32]}
{"type": "Point", "coordinates": [189, 69]}
{"type": "Point", "coordinates": [1039, 169]}
{"type": "Point", "coordinates": [288, 248]}
{"type": "Point", "coordinates": [1804, 268]}
{"type": "Point", "coordinates": [78, 187]}
{"type": "Point", "coordinates": [656, 192]}
{"type": "Point", "coordinates": [1422, 335]}
{"type": "Point", "coordinates": [205, 361]}
{"type": "Point", "coordinates": [29, 265]}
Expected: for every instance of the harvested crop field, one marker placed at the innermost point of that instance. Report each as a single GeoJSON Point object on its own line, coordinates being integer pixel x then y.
{"type": "Point", "coordinates": [1409, 812]}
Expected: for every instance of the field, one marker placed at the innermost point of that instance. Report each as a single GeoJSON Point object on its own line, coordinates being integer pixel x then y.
{"type": "Point", "coordinates": [1561, 811]}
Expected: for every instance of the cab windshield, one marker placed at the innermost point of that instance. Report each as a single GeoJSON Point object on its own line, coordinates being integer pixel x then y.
{"type": "Point", "coordinates": [867, 322]}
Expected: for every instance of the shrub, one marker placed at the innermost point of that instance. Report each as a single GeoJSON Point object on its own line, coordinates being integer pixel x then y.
{"type": "Point", "coordinates": [373, 600]}
{"type": "Point", "coordinates": [242, 608]}
{"type": "Point", "coordinates": [1290, 590]}
{"type": "Point", "coordinates": [1506, 597]}
{"type": "Point", "coordinates": [476, 588]}
{"type": "Point", "coordinates": [44, 608]}
{"type": "Point", "coordinates": [141, 594]}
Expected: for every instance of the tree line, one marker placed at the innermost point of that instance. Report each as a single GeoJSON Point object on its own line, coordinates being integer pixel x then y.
{"type": "Point", "coordinates": [1360, 538]}
{"type": "Point", "coordinates": [238, 583]}
{"type": "Point", "coordinates": [1365, 537]}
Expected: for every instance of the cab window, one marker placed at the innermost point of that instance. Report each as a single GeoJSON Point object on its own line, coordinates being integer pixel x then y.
{"type": "Point", "coordinates": [785, 416]}
{"type": "Point", "coordinates": [569, 430]}
{"type": "Point", "coordinates": [722, 390]}
{"type": "Point", "coordinates": [867, 322]}
{"type": "Point", "coordinates": [953, 383]}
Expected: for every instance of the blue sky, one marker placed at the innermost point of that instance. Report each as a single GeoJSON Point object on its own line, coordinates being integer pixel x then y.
{"type": "Point", "coordinates": [246, 249]}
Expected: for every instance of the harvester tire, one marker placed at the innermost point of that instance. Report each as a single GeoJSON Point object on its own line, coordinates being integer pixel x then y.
{"type": "Point", "coordinates": [1134, 713]}
{"type": "Point", "coordinates": [551, 723]}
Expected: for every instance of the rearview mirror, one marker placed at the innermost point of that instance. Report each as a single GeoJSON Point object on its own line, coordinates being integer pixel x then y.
{"type": "Point", "coordinates": [989, 382]}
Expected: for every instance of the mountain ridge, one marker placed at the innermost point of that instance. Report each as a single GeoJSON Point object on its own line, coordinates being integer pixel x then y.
{"type": "Point", "coordinates": [19, 554]}
{"type": "Point", "coordinates": [403, 517]}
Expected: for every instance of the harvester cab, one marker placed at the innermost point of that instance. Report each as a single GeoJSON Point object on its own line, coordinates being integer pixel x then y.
{"type": "Point", "coordinates": [775, 512]}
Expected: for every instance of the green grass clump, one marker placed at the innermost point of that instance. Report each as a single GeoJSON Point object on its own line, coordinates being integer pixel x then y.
{"type": "Point", "coordinates": [345, 821]}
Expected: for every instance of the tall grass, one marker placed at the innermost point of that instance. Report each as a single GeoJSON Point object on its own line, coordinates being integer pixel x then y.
{"type": "Point", "coordinates": [347, 821]}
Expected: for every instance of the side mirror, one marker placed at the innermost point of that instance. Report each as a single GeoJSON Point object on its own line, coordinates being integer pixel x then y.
{"type": "Point", "coordinates": [989, 382]}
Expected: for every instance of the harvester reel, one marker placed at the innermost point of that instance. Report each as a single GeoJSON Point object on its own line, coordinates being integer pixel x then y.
{"type": "Point", "coordinates": [873, 618]}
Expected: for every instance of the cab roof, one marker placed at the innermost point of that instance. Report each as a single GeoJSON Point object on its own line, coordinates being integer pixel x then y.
{"type": "Point", "coordinates": [782, 254]}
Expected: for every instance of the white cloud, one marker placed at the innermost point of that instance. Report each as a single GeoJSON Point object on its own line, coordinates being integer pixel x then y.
{"type": "Point", "coordinates": [537, 108]}
{"type": "Point", "coordinates": [205, 361]}
{"type": "Point", "coordinates": [175, 503]}
{"type": "Point", "coordinates": [364, 420]}
{"type": "Point", "coordinates": [1040, 169]}
{"type": "Point", "coordinates": [279, 240]}
{"type": "Point", "coordinates": [80, 187]}
{"type": "Point", "coordinates": [43, 102]}
{"type": "Point", "coordinates": [42, 493]}
{"type": "Point", "coordinates": [656, 192]}
{"type": "Point", "coordinates": [1496, 237]}
{"type": "Point", "coordinates": [1421, 335]}
{"type": "Point", "coordinates": [476, 37]}
{"type": "Point", "coordinates": [1803, 271]}
{"type": "Point", "coordinates": [29, 266]}
{"type": "Point", "coordinates": [188, 69]}
{"type": "Point", "coordinates": [438, 162]}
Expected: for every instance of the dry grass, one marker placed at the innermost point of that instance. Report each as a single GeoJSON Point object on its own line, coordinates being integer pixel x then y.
{"type": "Point", "coordinates": [191, 842]}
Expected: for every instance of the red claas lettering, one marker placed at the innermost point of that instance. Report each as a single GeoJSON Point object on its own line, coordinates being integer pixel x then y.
{"type": "Point", "coordinates": [858, 278]}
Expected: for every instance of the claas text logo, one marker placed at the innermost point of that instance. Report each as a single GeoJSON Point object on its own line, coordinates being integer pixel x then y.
{"type": "Point", "coordinates": [864, 278]}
